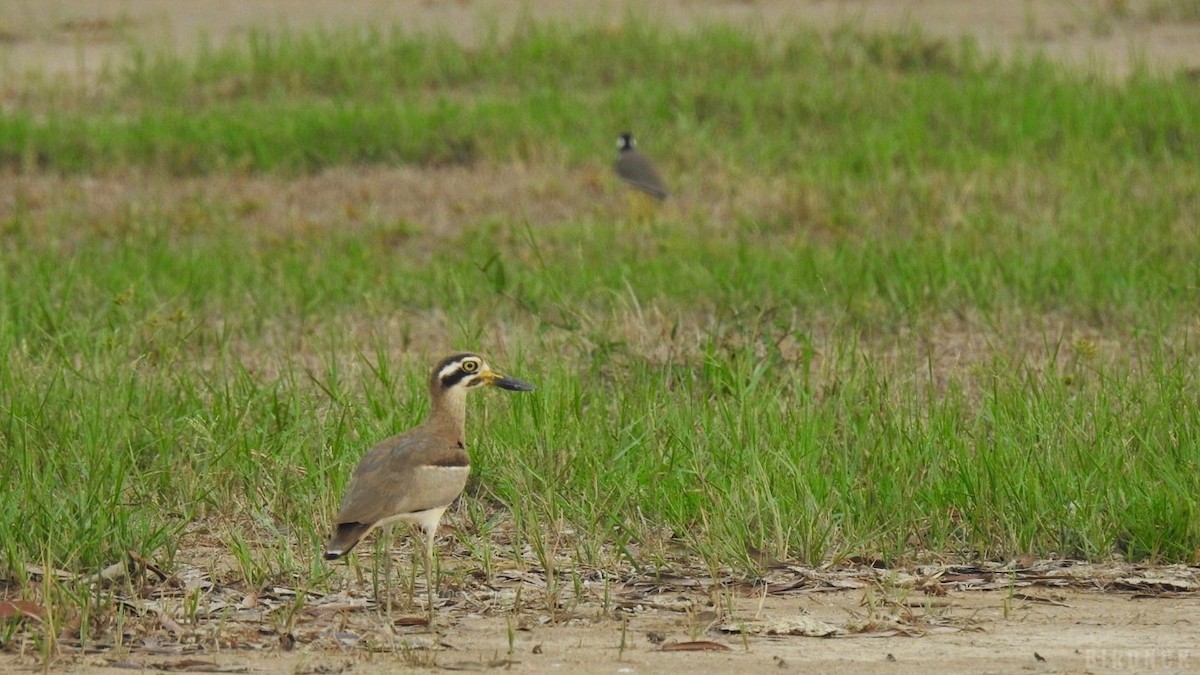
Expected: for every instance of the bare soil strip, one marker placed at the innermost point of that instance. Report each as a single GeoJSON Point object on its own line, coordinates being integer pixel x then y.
{"type": "Point", "coordinates": [1053, 616]}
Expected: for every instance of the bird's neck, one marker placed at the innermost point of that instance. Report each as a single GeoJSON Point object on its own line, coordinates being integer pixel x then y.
{"type": "Point", "coordinates": [449, 412]}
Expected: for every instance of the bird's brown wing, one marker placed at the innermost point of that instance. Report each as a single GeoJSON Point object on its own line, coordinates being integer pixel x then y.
{"type": "Point", "coordinates": [412, 472]}
{"type": "Point", "coordinates": [402, 475]}
{"type": "Point", "coordinates": [636, 169]}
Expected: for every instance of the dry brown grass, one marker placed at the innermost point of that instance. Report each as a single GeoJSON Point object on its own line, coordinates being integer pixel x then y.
{"type": "Point", "coordinates": [419, 209]}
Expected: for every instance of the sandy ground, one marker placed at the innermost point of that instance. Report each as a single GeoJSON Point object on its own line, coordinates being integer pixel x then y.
{"type": "Point", "coordinates": [1041, 628]}
{"type": "Point", "coordinates": [1037, 616]}
{"type": "Point", "coordinates": [1038, 631]}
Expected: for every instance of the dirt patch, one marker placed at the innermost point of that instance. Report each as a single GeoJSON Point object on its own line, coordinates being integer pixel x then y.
{"type": "Point", "coordinates": [1051, 616]}
{"type": "Point", "coordinates": [414, 202]}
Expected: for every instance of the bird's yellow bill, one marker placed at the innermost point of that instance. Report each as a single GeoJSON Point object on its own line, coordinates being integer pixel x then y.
{"type": "Point", "coordinates": [505, 382]}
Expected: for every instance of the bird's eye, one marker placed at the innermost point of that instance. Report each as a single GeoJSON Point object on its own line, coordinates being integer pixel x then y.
{"type": "Point", "coordinates": [470, 366]}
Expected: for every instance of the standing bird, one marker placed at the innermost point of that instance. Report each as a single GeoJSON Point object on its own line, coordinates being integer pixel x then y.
{"type": "Point", "coordinates": [414, 476]}
{"type": "Point", "coordinates": [637, 170]}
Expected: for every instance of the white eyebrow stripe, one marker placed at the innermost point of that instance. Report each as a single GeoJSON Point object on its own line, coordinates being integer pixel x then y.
{"type": "Point", "coordinates": [452, 368]}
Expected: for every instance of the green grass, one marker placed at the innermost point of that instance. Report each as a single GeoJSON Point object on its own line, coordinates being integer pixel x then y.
{"type": "Point", "coordinates": [784, 380]}
{"type": "Point", "coordinates": [847, 104]}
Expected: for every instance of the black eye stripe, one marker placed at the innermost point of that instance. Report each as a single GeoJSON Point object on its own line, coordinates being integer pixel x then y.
{"type": "Point", "coordinates": [454, 369]}
{"type": "Point", "coordinates": [454, 378]}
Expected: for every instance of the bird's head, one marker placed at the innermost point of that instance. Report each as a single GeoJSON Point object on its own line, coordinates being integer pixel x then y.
{"type": "Point", "coordinates": [461, 372]}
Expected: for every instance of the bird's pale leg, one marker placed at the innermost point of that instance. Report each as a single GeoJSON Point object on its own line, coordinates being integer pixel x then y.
{"type": "Point", "coordinates": [429, 580]}
{"type": "Point", "coordinates": [387, 568]}
{"type": "Point", "coordinates": [642, 207]}
{"type": "Point", "coordinates": [631, 206]}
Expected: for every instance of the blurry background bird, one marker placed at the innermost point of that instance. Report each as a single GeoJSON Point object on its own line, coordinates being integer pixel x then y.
{"type": "Point", "coordinates": [636, 169]}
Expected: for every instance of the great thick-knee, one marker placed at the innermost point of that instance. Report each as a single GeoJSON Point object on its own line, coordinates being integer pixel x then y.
{"type": "Point", "coordinates": [414, 476]}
